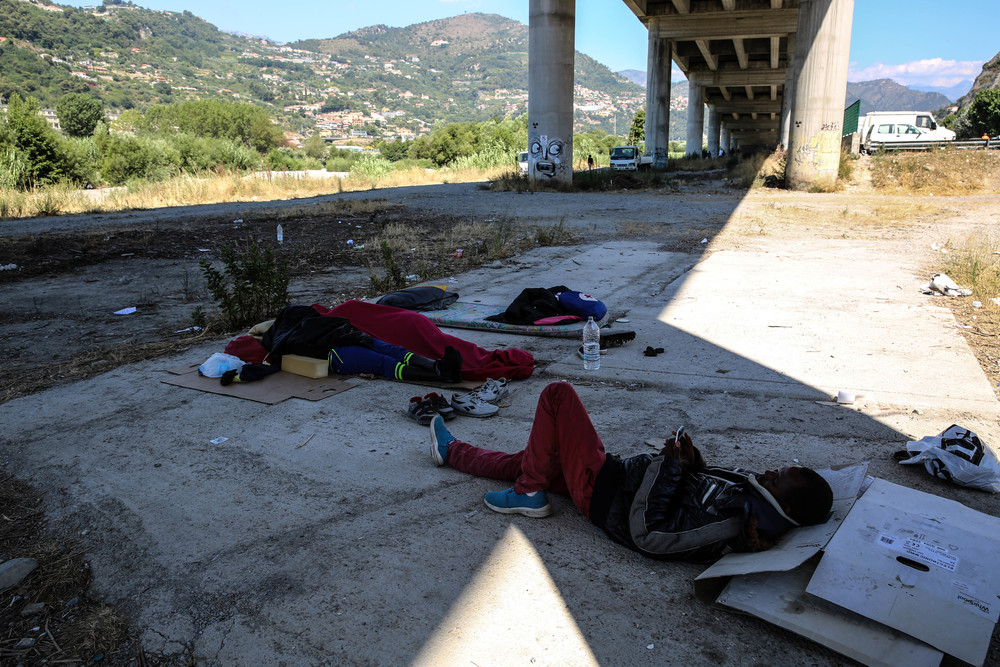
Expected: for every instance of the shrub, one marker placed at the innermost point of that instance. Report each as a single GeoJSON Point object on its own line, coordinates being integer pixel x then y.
{"type": "Point", "coordinates": [371, 166]}
{"type": "Point", "coordinates": [252, 287]}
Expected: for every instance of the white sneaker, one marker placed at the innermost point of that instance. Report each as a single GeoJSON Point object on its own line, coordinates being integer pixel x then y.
{"type": "Point", "coordinates": [493, 390]}
{"type": "Point", "coordinates": [471, 405]}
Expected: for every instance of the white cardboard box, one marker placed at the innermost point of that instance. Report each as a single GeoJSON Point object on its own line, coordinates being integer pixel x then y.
{"type": "Point", "coordinates": [906, 577]}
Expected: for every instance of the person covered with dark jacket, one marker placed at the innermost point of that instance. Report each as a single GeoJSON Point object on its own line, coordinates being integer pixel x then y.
{"type": "Point", "coordinates": [669, 505]}
{"type": "Point", "coordinates": [304, 331]}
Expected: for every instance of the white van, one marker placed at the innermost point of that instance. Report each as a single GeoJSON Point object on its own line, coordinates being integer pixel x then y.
{"type": "Point", "coordinates": [897, 126]}
{"type": "Point", "coordinates": [522, 162]}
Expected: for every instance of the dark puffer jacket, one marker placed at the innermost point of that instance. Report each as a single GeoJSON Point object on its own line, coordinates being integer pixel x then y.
{"type": "Point", "coordinates": [301, 330]}
{"type": "Point", "coordinates": [668, 510]}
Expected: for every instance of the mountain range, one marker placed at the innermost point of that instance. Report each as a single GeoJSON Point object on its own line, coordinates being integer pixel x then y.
{"type": "Point", "coordinates": [375, 81]}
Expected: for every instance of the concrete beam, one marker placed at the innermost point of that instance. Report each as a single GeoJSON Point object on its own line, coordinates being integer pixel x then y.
{"type": "Point", "coordinates": [726, 25]}
{"type": "Point", "coordinates": [738, 77]}
{"type": "Point", "coordinates": [706, 53]}
{"type": "Point", "coordinates": [745, 106]}
{"type": "Point", "coordinates": [753, 125]}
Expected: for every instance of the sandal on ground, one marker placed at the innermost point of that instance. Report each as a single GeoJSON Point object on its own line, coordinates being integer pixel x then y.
{"type": "Point", "coordinates": [471, 405]}
{"type": "Point", "coordinates": [421, 410]}
{"type": "Point", "coordinates": [616, 338]}
{"type": "Point", "coordinates": [493, 390]}
{"type": "Point", "coordinates": [440, 405]}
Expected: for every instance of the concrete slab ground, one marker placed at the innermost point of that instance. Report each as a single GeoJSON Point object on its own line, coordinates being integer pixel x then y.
{"type": "Point", "coordinates": [322, 533]}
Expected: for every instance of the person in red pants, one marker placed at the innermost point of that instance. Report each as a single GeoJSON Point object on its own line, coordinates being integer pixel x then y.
{"type": "Point", "coordinates": [667, 505]}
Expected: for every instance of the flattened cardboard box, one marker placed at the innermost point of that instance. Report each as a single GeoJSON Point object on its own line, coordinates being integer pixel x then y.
{"type": "Point", "coordinates": [906, 578]}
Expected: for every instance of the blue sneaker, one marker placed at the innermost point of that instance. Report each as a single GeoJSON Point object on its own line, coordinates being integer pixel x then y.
{"type": "Point", "coordinates": [440, 439]}
{"type": "Point", "coordinates": [509, 502]}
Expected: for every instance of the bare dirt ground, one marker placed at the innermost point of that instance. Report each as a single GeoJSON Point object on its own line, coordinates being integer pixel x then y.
{"type": "Point", "coordinates": [71, 275]}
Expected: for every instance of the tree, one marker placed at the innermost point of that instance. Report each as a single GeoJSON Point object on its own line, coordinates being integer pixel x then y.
{"type": "Point", "coordinates": [315, 147]}
{"type": "Point", "coordinates": [34, 140]}
{"type": "Point", "coordinates": [78, 114]}
{"type": "Point", "coordinates": [637, 130]}
{"type": "Point", "coordinates": [982, 116]}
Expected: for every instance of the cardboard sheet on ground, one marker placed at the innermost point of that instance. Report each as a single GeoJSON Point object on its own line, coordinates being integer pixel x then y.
{"type": "Point", "coordinates": [895, 554]}
{"type": "Point", "coordinates": [271, 390]}
{"type": "Point", "coordinates": [462, 315]}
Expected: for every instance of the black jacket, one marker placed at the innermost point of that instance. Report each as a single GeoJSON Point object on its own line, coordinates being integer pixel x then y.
{"type": "Point", "coordinates": [668, 510]}
{"type": "Point", "coordinates": [301, 330]}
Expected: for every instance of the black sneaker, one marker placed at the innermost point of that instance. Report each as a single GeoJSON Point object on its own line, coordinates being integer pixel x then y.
{"type": "Point", "coordinates": [420, 411]}
{"type": "Point", "coordinates": [440, 405]}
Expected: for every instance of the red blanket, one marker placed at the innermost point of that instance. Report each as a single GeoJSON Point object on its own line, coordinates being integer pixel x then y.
{"type": "Point", "coordinates": [416, 333]}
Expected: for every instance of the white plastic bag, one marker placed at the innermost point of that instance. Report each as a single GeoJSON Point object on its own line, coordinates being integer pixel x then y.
{"type": "Point", "coordinates": [959, 456]}
{"type": "Point", "coordinates": [219, 363]}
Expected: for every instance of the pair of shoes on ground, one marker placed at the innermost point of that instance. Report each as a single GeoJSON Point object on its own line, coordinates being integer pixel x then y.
{"type": "Point", "coordinates": [423, 409]}
{"type": "Point", "coordinates": [507, 501]}
{"type": "Point", "coordinates": [480, 402]}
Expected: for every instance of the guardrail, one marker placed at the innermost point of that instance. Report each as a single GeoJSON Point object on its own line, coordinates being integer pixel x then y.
{"type": "Point", "coordinates": [875, 146]}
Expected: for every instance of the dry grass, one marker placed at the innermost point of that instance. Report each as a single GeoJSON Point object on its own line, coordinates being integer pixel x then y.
{"type": "Point", "coordinates": [945, 172]}
{"type": "Point", "coordinates": [219, 188]}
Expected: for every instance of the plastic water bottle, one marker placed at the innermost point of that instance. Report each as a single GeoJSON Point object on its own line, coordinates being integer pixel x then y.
{"type": "Point", "coordinates": [591, 345]}
{"type": "Point", "coordinates": [281, 235]}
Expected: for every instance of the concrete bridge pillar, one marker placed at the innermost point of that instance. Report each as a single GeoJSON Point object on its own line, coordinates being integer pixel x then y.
{"type": "Point", "coordinates": [724, 141]}
{"type": "Point", "coordinates": [788, 99]}
{"type": "Point", "coordinates": [714, 131]}
{"type": "Point", "coordinates": [551, 37]}
{"type": "Point", "coordinates": [658, 67]}
{"type": "Point", "coordinates": [822, 50]}
{"type": "Point", "coordinates": [696, 118]}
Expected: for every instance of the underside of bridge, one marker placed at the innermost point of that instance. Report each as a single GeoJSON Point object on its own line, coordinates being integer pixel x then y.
{"type": "Point", "coordinates": [760, 72]}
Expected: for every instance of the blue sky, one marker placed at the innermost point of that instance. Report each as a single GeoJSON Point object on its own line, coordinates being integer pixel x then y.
{"type": "Point", "coordinates": [916, 42]}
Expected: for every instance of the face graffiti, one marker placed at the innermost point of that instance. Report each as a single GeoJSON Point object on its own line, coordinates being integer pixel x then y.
{"type": "Point", "coordinates": [546, 156]}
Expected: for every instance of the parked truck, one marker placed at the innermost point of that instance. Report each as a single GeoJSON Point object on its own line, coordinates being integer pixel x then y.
{"type": "Point", "coordinates": [888, 127]}
{"type": "Point", "coordinates": [629, 158]}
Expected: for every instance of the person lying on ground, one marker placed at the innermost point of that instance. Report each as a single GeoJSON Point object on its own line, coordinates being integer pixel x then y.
{"type": "Point", "coordinates": [668, 506]}
{"type": "Point", "coordinates": [349, 351]}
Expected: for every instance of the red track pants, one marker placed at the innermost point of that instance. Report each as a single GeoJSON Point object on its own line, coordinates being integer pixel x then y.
{"type": "Point", "coordinates": [564, 452]}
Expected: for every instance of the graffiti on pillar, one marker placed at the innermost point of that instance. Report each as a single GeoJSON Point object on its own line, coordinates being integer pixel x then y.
{"type": "Point", "coordinates": [660, 157]}
{"type": "Point", "coordinates": [545, 156]}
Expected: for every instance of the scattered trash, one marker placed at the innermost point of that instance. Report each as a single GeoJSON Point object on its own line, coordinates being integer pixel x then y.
{"type": "Point", "coordinates": [350, 241]}
{"type": "Point", "coordinates": [8, 267]}
{"type": "Point", "coordinates": [238, 221]}
{"type": "Point", "coordinates": [360, 246]}
{"type": "Point", "coordinates": [996, 300]}
{"type": "Point", "coordinates": [623, 320]}
{"type": "Point", "coordinates": [977, 304]}
{"type": "Point", "coordinates": [218, 441]}
{"type": "Point", "coordinates": [452, 280]}
{"type": "Point", "coordinates": [204, 250]}
{"type": "Point", "coordinates": [650, 646]}
{"type": "Point", "coordinates": [957, 455]}
{"type": "Point", "coordinates": [845, 397]}
{"type": "Point", "coordinates": [459, 253]}
{"type": "Point", "coordinates": [125, 311]}
{"type": "Point", "coordinates": [413, 276]}
{"type": "Point", "coordinates": [281, 235]}
{"type": "Point", "coordinates": [705, 240]}
{"type": "Point", "coordinates": [471, 514]}
{"type": "Point", "coordinates": [187, 330]}
{"type": "Point", "coordinates": [942, 284]}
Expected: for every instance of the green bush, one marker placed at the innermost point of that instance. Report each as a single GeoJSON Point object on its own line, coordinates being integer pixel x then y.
{"type": "Point", "coordinates": [371, 166]}
{"type": "Point", "coordinates": [253, 286]}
